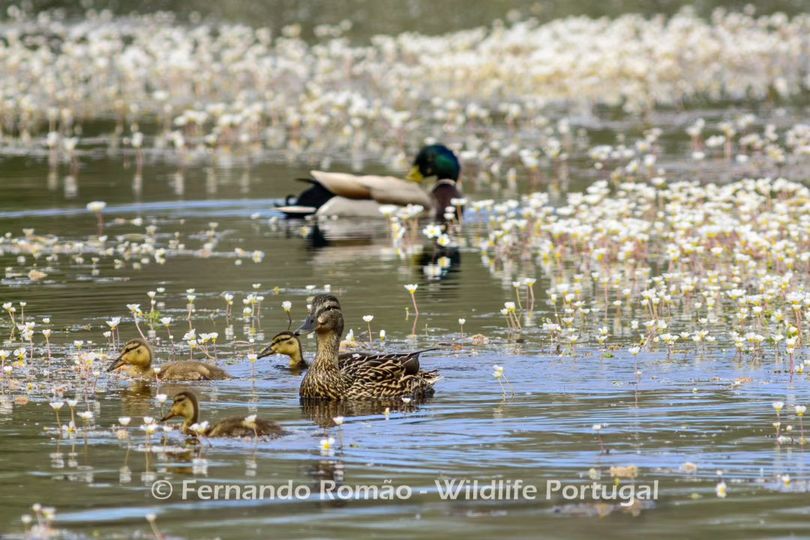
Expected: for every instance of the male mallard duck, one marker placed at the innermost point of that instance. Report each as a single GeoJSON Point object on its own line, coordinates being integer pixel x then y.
{"type": "Point", "coordinates": [185, 405]}
{"type": "Point", "coordinates": [136, 359]}
{"type": "Point", "coordinates": [373, 378]}
{"type": "Point", "coordinates": [288, 344]}
{"type": "Point", "coordinates": [343, 194]}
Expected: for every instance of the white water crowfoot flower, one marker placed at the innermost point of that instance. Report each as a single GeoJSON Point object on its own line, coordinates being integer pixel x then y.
{"type": "Point", "coordinates": [500, 376]}
{"type": "Point", "coordinates": [152, 519]}
{"type": "Point", "coordinates": [509, 311]}
{"type": "Point", "coordinates": [56, 405]}
{"type": "Point", "coordinates": [286, 306]}
{"type": "Point", "coordinates": [327, 444]}
{"type": "Point", "coordinates": [368, 319]}
{"type": "Point", "coordinates": [87, 417]}
{"type": "Point", "coordinates": [411, 288]}
{"type": "Point", "coordinates": [97, 208]}
{"type": "Point", "coordinates": [199, 428]}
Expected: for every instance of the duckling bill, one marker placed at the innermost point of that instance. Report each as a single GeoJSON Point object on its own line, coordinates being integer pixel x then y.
{"type": "Point", "coordinates": [186, 406]}
{"type": "Point", "coordinates": [135, 360]}
{"type": "Point", "coordinates": [342, 194]}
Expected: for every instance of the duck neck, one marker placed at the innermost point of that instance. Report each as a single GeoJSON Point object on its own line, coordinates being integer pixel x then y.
{"type": "Point", "coordinates": [297, 358]}
{"type": "Point", "coordinates": [189, 421]}
{"type": "Point", "coordinates": [140, 371]}
{"type": "Point", "coordinates": [326, 357]}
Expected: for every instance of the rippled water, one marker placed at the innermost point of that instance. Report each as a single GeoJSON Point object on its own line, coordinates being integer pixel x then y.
{"type": "Point", "coordinates": [685, 420]}
{"type": "Point", "coordinates": [711, 410]}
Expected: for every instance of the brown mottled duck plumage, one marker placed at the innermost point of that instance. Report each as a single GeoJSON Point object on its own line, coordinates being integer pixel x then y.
{"type": "Point", "coordinates": [288, 344]}
{"type": "Point", "coordinates": [381, 377]}
{"type": "Point", "coordinates": [136, 361]}
{"type": "Point", "coordinates": [185, 405]}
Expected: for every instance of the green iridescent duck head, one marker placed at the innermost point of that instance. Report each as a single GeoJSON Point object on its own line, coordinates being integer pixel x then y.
{"type": "Point", "coordinates": [435, 161]}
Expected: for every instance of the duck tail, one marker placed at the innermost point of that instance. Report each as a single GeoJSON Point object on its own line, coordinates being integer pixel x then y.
{"type": "Point", "coordinates": [307, 202]}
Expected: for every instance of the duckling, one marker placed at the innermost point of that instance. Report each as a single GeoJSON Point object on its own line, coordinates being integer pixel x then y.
{"type": "Point", "coordinates": [288, 344]}
{"type": "Point", "coordinates": [378, 377]}
{"type": "Point", "coordinates": [185, 405]}
{"type": "Point", "coordinates": [136, 361]}
{"type": "Point", "coordinates": [342, 194]}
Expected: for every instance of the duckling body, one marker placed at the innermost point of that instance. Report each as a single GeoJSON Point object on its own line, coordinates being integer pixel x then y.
{"type": "Point", "coordinates": [189, 370]}
{"type": "Point", "coordinates": [186, 406]}
{"type": "Point", "coordinates": [288, 344]}
{"type": "Point", "coordinates": [373, 377]}
{"type": "Point", "coordinates": [135, 361]}
{"type": "Point", "coordinates": [349, 195]}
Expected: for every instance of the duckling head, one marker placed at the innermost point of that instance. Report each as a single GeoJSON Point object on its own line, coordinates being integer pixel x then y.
{"type": "Point", "coordinates": [435, 161]}
{"type": "Point", "coordinates": [136, 354]}
{"type": "Point", "coordinates": [285, 343]}
{"type": "Point", "coordinates": [324, 318]}
{"type": "Point", "coordinates": [184, 405]}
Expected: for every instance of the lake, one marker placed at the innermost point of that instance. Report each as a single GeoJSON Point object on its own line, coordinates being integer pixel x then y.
{"type": "Point", "coordinates": [600, 248]}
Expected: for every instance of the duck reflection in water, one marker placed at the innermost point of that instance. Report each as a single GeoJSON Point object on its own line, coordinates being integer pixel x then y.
{"type": "Point", "coordinates": [331, 244]}
{"type": "Point", "coordinates": [323, 412]}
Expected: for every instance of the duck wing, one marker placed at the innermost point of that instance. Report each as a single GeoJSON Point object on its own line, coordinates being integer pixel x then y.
{"type": "Point", "coordinates": [385, 376]}
{"type": "Point", "coordinates": [350, 361]}
{"type": "Point", "coordinates": [343, 184]}
{"type": "Point", "coordinates": [383, 189]}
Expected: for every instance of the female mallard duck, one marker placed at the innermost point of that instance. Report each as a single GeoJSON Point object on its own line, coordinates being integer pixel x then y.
{"type": "Point", "coordinates": [288, 344]}
{"type": "Point", "coordinates": [185, 405]}
{"type": "Point", "coordinates": [342, 194]}
{"type": "Point", "coordinates": [136, 361]}
{"type": "Point", "coordinates": [373, 378]}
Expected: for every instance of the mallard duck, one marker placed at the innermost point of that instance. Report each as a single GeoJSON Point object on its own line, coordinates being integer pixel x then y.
{"type": "Point", "coordinates": [185, 405]}
{"type": "Point", "coordinates": [373, 378]}
{"type": "Point", "coordinates": [136, 361]}
{"type": "Point", "coordinates": [288, 344]}
{"type": "Point", "coordinates": [343, 194]}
